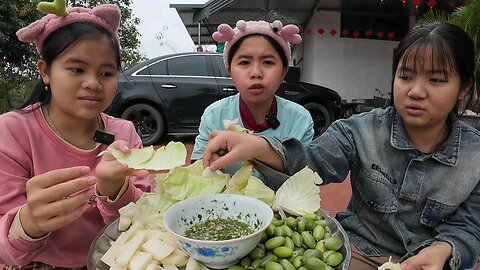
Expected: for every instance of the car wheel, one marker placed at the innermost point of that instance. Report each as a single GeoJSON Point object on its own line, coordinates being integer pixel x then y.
{"type": "Point", "coordinates": [147, 120]}
{"type": "Point", "coordinates": [322, 117]}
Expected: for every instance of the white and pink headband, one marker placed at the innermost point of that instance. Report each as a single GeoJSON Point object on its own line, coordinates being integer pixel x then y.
{"type": "Point", "coordinates": [284, 35]}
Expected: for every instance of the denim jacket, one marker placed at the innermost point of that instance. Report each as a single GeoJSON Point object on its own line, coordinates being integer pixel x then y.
{"type": "Point", "coordinates": [402, 198]}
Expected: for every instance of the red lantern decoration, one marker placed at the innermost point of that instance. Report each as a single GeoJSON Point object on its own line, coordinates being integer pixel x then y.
{"type": "Point", "coordinates": [320, 31]}
{"type": "Point", "coordinates": [345, 32]}
{"type": "Point", "coordinates": [356, 34]}
{"type": "Point", "coordinates": [417, 2]}
{"type": "Point", "coordinates": [368, 33]}
{"type": "Point", "coordinates": [452, 4]}
{"type": "Point", "coordinates": [404, 2]}
{"type": "Point", "coordinates": [380, 35]}
{"type": "Point", "coordinates": [333, 32]}
{"type": "Point", "coordinates": [431, 3]}
{"type": "Point", "coordinates": [391, 35]}
{"type": "Point", "coordinates": [308, 31]}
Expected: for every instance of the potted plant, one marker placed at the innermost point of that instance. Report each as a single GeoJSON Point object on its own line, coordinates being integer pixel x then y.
{"type": "Point", "coordinates": [465, 17]}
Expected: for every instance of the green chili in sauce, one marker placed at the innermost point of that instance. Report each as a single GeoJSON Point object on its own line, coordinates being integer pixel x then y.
{"type": "Point", "coordinates": [219, 229]}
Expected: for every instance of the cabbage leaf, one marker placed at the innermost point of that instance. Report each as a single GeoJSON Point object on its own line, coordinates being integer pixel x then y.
{"type": "Point", "coordinates": [257, 189]}
{"type": "Point", "coordinates": [185, 182]}
{"type": "Point", "coordinates": [299, 194]}
{"type": "Point", "coordinates": [150, 210]}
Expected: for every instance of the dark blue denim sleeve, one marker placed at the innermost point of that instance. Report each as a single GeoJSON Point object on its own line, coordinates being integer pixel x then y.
{"type": "Point", "coordinates": [462, 231]}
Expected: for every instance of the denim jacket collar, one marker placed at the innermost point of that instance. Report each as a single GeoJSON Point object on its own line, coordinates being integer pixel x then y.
{"type": "Point", "coordinates": [447, 153]}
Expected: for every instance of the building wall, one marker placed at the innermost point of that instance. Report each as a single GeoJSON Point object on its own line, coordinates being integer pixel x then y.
{"type": "Point", "coordinates": [352, 67]}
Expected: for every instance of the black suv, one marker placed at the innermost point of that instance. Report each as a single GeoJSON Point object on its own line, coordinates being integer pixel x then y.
{"type": "Point", "coordinates": [168, 94]}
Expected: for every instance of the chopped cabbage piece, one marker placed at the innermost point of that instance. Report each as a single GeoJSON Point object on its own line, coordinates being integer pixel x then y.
{"type": "Point", "coordinates": [147, 158]}
{"type": "Point", "coordinates": [167, 157]}
{"type": "Point", "coordinates": [299, 194]}
{"type": "Point", "coordinates": [238, 182]}
{"type": "Point", "coordinates": [136, 156]}
{"type": "Point", "coordinates": [150, 210]}
{"type": "Point", "coordinates": [233, 125]}
{"type": "Point", "coordinates": [390, 265]}
{"type": "Point", "coordinates": [185, 182]}
{"type": "Point", "coordinates": [257, 189]}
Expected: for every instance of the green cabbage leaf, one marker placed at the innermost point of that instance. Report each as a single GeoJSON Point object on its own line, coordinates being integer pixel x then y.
{"type": "Point", "coordinates": [299, 194]}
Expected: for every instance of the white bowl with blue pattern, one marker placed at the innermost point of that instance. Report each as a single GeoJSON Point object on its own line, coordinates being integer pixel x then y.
{"type": "Point", "coordinates": [218, 254]}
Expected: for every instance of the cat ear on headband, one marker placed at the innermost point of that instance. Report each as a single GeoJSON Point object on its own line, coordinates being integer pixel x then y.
{"type": "Point", "coordinates": [106, 16]}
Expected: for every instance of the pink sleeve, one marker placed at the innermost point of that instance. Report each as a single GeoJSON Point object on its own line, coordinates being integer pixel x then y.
{"type": "Point", "coordinates": [16, 251]}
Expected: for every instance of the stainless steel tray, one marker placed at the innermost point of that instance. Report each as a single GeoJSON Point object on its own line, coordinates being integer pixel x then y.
{"type": "Point", "coordinates": [110, 233]}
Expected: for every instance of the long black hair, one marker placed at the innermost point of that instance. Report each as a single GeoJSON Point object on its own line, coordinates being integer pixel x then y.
{"type": "Point", "coordinates": [272, 41]}
{"type": "Point", "coordinates": [452, 50]}
{"type": "Point", "coordinates": [58, 42]}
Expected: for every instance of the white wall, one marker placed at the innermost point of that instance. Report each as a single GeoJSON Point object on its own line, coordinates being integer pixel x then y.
{"type": "Point", "coordinates": [352, 67]}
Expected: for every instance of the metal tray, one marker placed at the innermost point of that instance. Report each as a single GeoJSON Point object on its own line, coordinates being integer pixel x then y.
{"type": "Point", "coordinates": [110, 233]}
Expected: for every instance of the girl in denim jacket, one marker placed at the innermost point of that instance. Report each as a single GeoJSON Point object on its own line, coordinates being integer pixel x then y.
{"type": "Point", "coordinates": [413, 166]}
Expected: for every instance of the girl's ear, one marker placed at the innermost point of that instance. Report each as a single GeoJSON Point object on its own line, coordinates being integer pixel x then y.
{"type": "Point", "coordinates": [229, 70]}
{"type": "Point", "coordinates": [285, 70]}
{"type": "Point", "coordinates": [44, 71]}
{"type": "Point", "coordinates": [466, 88]}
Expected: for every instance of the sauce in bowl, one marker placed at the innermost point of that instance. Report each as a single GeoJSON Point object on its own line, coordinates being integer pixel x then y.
{"type": "Point", "coordinates": [219, 229]}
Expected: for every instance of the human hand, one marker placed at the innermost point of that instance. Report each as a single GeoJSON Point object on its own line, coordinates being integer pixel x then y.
{"type": "Point", "coordinates": [55, 199]}
{"type": "Point", "coordinates": [430, 258]}
{"type": "Point", "coordinates": [111, 174]}
{"type": "Point", "coordinates": [237, 146]}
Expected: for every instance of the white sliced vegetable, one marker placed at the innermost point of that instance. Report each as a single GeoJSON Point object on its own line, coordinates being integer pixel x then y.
{"type": "Point", "coordinates": [177, 258]}
{"type": "Point", "coordinates": [118, 267]}
{"type": "Point", "coordinates": [124, 223]}
{"type": "Point", "coordinates": [299, 194]}
{"type": "Point", "coordinates": [170, 267]}
{"type": "Point", "coordinates": [140, 260]}
{"type": "Point", "coordinates": [114, 251]}
{"type": "Point", "coordinates": [154, 266]}
{"type": "Point", "coordinates": [193, 264]}
{"type": "Point", "coordinates": [128, 209]}
{"type": "Point", "coordinates": [130, 248]}
{"type": "Point", "coordinates": [390, 266]}
{"type": "Point", "coordinates": [157, 248]}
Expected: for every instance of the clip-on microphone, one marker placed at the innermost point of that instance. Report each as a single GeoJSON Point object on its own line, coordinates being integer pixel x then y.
{"type": "Point", "coordinates": [272, 121]}
{"type": "Point", "coordinates": [103, 137]}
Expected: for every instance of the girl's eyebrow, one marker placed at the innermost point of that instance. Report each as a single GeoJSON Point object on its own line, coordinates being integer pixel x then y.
{"type": "Point", "coordinates": [250, 57]}
{"type": "Point", "coordinates": [79, 61]}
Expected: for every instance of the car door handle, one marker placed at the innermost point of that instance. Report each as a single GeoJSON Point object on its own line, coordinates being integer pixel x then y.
{"type": "Point", "coordinates": [291, 93]}
{"type": "Point", "coordinates": [169, 86]}
{"type": "Point", "coordinates": [228, 89]}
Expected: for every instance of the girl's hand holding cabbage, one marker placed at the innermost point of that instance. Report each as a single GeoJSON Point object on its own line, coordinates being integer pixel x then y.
{"type": "Point", "coordinates": [111, 174]}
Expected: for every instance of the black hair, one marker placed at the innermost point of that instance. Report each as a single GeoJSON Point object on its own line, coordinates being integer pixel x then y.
{"type": "Point", "coordinates": [452, 50]}
{"type": "Point", "coordinates": [272, 41]}
{"type": "Point", "coordinates": [59, 41]}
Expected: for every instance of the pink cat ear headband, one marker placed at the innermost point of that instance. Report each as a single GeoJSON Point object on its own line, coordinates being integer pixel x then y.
{"type": "Point", "coordinates": [284, 35]}
{"type": "Point", "coordinates": [106, 16]}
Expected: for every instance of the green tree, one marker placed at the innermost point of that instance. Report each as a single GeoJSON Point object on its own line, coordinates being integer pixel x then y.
{"type": "Point", "coordinates": [18, 59]}
{"type": "Point", "coordinates": [17, 69]}
{"type": "Point", "coordinates": [129, 35]}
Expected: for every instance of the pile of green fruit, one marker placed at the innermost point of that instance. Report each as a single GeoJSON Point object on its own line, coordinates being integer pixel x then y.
{"type": "Point", "coordinates": [295, 243]}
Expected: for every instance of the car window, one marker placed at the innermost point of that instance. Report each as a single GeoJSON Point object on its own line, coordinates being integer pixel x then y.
{"type": "Point", "coordinates": [191, 65]}
{"type": "Point", "coordinates": [159, 68]}
{"type": "Point", "coordinates": [221, 66]}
